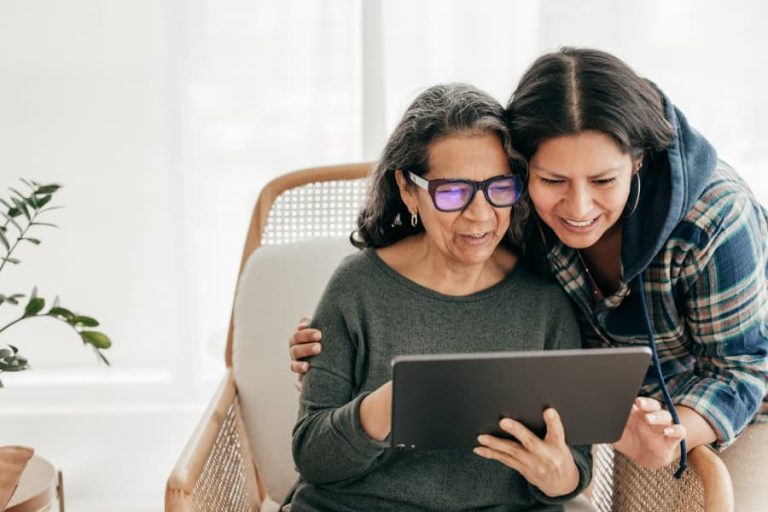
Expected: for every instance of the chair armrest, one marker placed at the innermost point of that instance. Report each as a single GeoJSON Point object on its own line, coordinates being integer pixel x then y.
{"type": "Point", "coordinates": [216, 468]}
{"type": "Point", "coordinates": [715, 478]}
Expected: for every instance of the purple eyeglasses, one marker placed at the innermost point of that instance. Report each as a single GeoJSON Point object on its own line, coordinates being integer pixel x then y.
{"type": "Point", "coordinates": [453, 195]}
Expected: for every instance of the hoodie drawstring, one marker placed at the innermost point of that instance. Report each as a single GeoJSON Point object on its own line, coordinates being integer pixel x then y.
{"type": "Point", "coordinates": [660, 376]}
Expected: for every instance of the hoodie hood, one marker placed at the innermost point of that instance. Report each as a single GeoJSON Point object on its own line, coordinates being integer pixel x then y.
{"type": "Point", "coordinates": [672, 180]}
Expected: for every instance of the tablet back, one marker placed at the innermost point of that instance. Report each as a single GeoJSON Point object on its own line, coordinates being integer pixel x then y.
{"type": "Point", "coordinates": [445, 401]}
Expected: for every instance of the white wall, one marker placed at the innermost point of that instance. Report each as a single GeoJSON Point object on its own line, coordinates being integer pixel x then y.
{"type": "Point", "coordinates": [163, 120]}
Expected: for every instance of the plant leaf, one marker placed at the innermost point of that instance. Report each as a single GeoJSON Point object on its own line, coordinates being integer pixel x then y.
{"type": "Point", "coordinates": [86, 321]}
{"type": "Point", "coordinates": [10, 219]}
{"type": "Point", "coordinates": [31, 240]}
{"type": "Point", "coordinates": [96, 338]}
{"type": "Point", "coordinates": [21, 196]}
{"type": "Point", "coordinates": [15, 261]}
{"type": "Point", "coordinates": [4, 241]}
{"type": "Point", "coordinates": [61, 313]}
{"type": "Point", "coordinates": [43, 224]}
{"type": "Point", "coordinates": [48, 189]}
{"type": "Point", "coordinates": [20, 207]}
{"type": "Point", "coordinates": [43, 201]}
{"type": "Point", "coordinates": [34, 306]}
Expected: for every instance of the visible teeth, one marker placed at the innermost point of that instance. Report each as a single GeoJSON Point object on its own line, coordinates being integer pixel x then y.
{"type": "Point", "coordinates": [579, 224]}
{"type": "Point", "coordinates": [475, 235]}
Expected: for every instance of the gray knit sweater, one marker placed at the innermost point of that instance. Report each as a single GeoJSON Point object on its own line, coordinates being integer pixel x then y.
{"type": "Point", "coordinates": [368, 314]}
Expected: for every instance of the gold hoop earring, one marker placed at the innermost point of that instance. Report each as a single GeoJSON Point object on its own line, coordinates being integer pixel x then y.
{"type": "Point", "coordinates": [637, 197]}
{"type": "Point", "coordinates": [414, 219]}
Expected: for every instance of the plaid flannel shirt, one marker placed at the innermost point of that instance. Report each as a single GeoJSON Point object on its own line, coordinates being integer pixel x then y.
{"type": "Point", "coordinates": [708, 305]}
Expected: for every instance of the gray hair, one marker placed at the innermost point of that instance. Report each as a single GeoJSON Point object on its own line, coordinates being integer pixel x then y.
{"type": "Point", "coordinates": [440, 111]}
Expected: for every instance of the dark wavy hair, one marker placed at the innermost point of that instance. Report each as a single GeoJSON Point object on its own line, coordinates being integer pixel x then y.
{"type": "Point", "coordinates": [577, 89]}
{"type": "Point", "coordinates": [440, 111]}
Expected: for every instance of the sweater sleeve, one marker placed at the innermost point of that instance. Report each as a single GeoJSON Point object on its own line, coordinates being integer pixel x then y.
{"type": "Point", "coordinates": [329, 443]}
{"type": "Point", "coordinates": [726, 310]}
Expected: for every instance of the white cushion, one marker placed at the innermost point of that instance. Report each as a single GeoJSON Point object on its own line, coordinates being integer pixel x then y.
{"type": "Point", "coordinates": [279, 285]}
{"type": "Point", "coordinates": [746, 462]}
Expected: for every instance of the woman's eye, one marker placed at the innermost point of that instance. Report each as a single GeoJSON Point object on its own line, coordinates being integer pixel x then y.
{"type": "Point", "coordinates": [548, 181]}
{"type": "Point", "coordinates": [604, 181]}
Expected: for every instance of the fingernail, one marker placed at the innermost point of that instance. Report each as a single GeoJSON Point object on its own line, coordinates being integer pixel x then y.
{"type": "Point", "coordinates": [481, 440]}
{"type": "Point", "coordinates": [317, 336]}
{"type": "Point", "coordinates": [316, 349]}
{"type": "Point", "coordinates": [651, 417]}
{"type": "Point", "coordinates": [550, 414]}
{"type": "Point", "coordinates": [305, 366]}
{"type": "Point", "coordinates": [669, 431]}
{"type": "Point", "coordinates": [476, 451]}
{"type": "Point", "coordinates": [506, 422]}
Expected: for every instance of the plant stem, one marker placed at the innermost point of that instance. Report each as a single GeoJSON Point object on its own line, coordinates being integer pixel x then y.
{"type": "Point", "coordinates": [14, 322]}
{"type": "Point", "coordinates": [19, 239]}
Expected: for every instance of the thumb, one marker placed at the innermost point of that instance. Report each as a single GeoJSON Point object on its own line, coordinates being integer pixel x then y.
{"type": "Point", "coordinates": [555, 430]}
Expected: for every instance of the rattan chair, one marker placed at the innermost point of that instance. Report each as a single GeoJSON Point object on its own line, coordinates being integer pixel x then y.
{"type": "Point", "coordinates": [239, 459]}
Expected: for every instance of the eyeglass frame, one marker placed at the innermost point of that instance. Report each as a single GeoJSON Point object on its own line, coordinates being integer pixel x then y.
{"type": "Point", "coordinates": [431, 187]}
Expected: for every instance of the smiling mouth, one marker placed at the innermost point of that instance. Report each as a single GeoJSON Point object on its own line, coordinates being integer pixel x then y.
{"type": "Point", "coordinates": [579, 223]}
{"type": "Point", "coordinates": [476, 237]}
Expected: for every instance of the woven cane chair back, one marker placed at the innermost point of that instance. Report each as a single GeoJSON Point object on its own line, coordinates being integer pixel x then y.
{"type": "Point", "coordinates": [621, 485]}
{"type": "Point", "coordinates": [311, 203]}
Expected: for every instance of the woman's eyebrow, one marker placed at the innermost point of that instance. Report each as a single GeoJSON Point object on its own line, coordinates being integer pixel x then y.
{"type": "Point", "coordinates": [556, 174]}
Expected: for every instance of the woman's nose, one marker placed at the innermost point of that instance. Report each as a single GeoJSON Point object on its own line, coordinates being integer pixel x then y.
{"type": "Point", "coordinates": [579, 202]}
{"type": "Point", "coordinates": [479, 208]}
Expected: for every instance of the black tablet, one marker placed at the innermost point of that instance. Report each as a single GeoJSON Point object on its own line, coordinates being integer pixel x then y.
{"type": "Point", "coordinates": [445, 401]}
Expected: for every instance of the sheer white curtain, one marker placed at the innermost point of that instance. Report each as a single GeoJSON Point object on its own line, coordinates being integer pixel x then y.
{"type": "Point", "coordinates": [164, 119]}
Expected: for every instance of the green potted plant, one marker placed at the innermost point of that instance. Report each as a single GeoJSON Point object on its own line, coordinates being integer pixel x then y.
{"type": "Point", "coordinates": [20, 217]}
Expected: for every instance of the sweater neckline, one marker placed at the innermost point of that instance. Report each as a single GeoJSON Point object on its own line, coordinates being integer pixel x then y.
{"type": "Point", "coordinates": [509, 281]}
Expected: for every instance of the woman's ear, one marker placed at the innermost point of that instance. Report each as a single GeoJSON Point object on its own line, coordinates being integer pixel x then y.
{"type": "Point", "coordinates": [638, 164]}
{"type": "Point", "coordinates": [406, 192]}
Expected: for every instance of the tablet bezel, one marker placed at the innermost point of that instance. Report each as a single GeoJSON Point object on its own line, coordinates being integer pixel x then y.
{"type": "Point", "coordinates": [443, 401]}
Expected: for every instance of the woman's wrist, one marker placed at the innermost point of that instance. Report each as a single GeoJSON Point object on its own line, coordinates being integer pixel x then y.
{"type": "Point", "coordinates": [697, 430]}
{"type": "Point", "coordinates": [376, 412]}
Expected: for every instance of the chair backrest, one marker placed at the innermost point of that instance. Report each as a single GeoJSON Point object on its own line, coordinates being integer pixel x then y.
{"type": "Point", "coordinates": [301, 238]}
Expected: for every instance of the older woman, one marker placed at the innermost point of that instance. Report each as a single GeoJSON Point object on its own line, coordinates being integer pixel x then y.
{"type": "Point", "coordinates": [438, 272]}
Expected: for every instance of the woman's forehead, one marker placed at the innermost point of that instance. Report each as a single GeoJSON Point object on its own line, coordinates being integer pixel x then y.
{"type": "Point", "coordinates": [463, 156]}
{"type": "Point", "coordinates": [590, 151]}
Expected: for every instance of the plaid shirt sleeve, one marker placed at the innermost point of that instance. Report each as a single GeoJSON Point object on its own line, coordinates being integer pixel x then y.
{"type": "Point", "coordinates": [725, 301]}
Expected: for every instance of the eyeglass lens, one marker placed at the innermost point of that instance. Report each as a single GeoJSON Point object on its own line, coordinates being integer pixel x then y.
{"type": "Point", "coordinates": [456, 195]}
